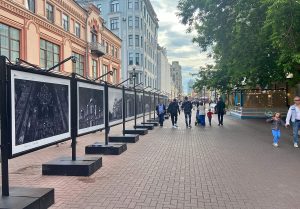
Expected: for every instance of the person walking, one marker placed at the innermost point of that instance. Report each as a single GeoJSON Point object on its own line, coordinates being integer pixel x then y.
{"type": "Point", "coordinates": [201, 111]}
{"type": "Point", "coordinates": [220, 110]}
{"type": "Point", "coordinates": [294, 116]}
{"type": "Point", "coordinates": [276, 122]}
{"type": "Point", "coordinates": [160, 111]}
{"type": "Point", "coordinates": [187, 108]}
{"type": "Point", "coordinates": [209, 116]}
{"type": "Point", "coordinates": [173, 109]}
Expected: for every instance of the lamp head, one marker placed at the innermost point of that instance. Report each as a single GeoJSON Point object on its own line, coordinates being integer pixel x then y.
{"type": "Point", "coordinates": [74, 59]}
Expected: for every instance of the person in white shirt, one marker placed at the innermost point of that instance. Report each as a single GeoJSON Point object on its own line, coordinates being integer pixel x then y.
{"type": "Point", "coordinates": [294, 116]}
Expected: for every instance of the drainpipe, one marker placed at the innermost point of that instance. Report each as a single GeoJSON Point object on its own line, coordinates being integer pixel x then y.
{"type": "Point", "coordinates": [87, 47]}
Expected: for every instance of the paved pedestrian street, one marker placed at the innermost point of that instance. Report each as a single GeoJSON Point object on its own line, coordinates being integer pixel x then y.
{"type": "Point", "coordinates": [234, 166]}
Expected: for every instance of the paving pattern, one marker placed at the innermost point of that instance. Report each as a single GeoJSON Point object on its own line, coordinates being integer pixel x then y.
{"type": "Point", "coordinates": [234, 166]}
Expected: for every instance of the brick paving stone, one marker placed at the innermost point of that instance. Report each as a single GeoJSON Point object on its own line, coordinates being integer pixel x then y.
{"type": "Point", "coordinates": [233, 166]}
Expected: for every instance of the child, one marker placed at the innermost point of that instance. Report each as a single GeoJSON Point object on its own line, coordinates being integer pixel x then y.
{"type": "Point", "coordinates": [209, 116]}
{"type": "Point", "coordinates": [276, 122]}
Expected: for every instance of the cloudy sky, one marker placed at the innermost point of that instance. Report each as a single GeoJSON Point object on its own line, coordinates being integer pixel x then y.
{"type": "Point", "coordinates": [173, 36]}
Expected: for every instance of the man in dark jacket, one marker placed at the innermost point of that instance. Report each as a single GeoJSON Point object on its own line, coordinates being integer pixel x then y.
{"type": "Point", "coordinates": [220, 110]}
{"type": "Point", "coordinates": [160, 111]}
{"type": "Point", "coordinates": [173, 109]}
{"type": "Point", "coordinates": [187, 108]}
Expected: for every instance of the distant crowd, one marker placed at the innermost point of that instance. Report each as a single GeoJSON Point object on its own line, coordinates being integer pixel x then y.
{"type": "Point", "coordinates": [176, 107]}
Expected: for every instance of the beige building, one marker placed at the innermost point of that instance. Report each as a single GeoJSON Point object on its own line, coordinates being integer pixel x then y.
{"type": "Point", "coordinates": [177, 77]}
{"type": "Point", "coordinates": [45, 32]}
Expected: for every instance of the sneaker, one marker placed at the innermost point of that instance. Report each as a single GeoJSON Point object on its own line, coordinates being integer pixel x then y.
{"type": "Point", "coordinates": [176, 125]}
{"type": "Point", "coordinates": [296, 145]}
{"type": "Point", "coordinates": [173, 126]}
{"type": "Point", "coordinates": [190, 126]}
{"type": "Point", "coordinates": [275, 144]}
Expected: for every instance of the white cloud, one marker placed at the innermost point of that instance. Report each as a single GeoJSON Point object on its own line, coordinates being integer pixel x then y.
{"type": "Point", "coordinates": [172, 35]}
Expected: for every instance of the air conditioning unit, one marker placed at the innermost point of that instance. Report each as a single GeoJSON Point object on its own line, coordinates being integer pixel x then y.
{"type": "Point", "coordinates": [124, 19]}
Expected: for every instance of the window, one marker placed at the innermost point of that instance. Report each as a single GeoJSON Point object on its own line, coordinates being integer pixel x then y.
{"type": "Point", "coordinates": [78, 67]}
{"type": "Point", "coordinates": [9, 42]}
{"type": "Point", "coordinates": [142, 41]}
{"type": "Point", "coordinates": [130, 5]}
{"type": "Point", "coordinates": [49, 54]}
{"type": "Point", "coordinates": [77, 29]}
{"type": "Point", "coordinates": [114, 7]}
{"type": "Point", "coordinates": [116, 53]}
{"type": "Point", "coordinates": [130, 40]}
{"type": "Point", "coordinates": [142, 59]}
{"type": "Point", "coordinates": [114, 23]}
{"type": "Point", "coordinates": [141, 23]}
{"type": "Point", "coordinates": [136, 5]}
{"type": "Point", "coordinates": [106, 47]}
{"type": "Point", "coordinates": [130, 58]}
{"type": "Point", "coordinates": [112, 50]}
{"type": "Point", "coordinates": [130, 22]}
{"type": "Point", "coordinates": [104, 70]}
{"type": "Point", "coordinates": [49, 12]}
{"type": "Point", "coordinates": [115, 75]}
{"type": "Point", "coordinates": [65, 22]}
{"type": "Point", "coordinates": [31, 5]}
{"type": "Point", "coordinates": [137, 22]}
{"type": "Point", "coordinates": [137, 58]}
{"type": "Point", "coordinates": [137, 40]}
{"type": "Point", "coordinates": [94, 68]}
{"type": "Point", "coordinates": [99, 7]}
{"type": "Point", "coordinates": [94, 37]}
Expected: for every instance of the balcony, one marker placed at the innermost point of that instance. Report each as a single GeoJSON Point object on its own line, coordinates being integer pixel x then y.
{"type": "Point", "coordinates": [97, 49]}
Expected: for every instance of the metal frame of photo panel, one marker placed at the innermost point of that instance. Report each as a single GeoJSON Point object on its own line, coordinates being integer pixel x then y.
{"type": "Point", "coordinates": [39, 78]}
{"type": "Point", "coordinates": [92, 86]}
{"type": "Point", "coordinates": [119, 121]}
{"type": "Point", "coordinates": [139, 95]}
{"type": "Point", "coordinates": [127, 91]}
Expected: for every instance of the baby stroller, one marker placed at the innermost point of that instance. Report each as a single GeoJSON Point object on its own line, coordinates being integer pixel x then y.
{"type": "Point", "coordinates": [200, 119]}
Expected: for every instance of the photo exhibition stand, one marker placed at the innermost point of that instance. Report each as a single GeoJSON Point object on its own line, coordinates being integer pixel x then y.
{"type": "Point", "coordinates": [154, 119]}
{"type": "Point", "coordinates": [73, 166]}
{"type": "Point", "coordinates": [143, 125]}
{"type": "Point", "coordinates": [125, 138]}
{"type": "Point", "coordinates": [140, 131]}
{"type": "Point", "coordinates": [106, 148]}
{"type": "Point", "coordinates": [148, 121]}
{"type": "Point", "coordinates": [15, 197]}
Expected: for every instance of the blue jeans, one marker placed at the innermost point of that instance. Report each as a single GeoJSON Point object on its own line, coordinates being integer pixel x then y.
{"type": "Point", "coordinates": [161, 119]}
{"type": "Point", "coordinates": [296, 127]}
{"type": "Point", "coordinates": [276, 135]}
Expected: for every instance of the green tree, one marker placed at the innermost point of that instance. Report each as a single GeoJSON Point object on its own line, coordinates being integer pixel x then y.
{"type": "Point", "coordinates": [246, 39]}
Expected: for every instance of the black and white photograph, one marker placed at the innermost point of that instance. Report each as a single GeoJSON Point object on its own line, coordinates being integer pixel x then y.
{"type": "Point", "coordinates": [147, 103]}
{"type": "Point", "coordinates": [90, 107]}
{"type": "Point", "coordinates": [139, 98]}
{"type": "Point", "coordinates": [115, 102]}
{"type": "Point", "coordinates": [40, 110]}
{"type": "Point", "coordinates": [129, 102]}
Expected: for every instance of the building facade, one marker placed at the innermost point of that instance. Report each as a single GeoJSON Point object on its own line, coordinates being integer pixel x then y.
{"type": "Point", "coordinates": [136, 23]}
{"type": "Point", "coordinates": [45, 32]}
{"type": "Point", "coordinates": [163, 71]}
{"type": "Point", "coordinates": [177, 77]}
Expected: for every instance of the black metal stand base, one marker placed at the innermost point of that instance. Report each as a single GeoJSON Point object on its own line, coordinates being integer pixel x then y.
{"type": "Point", "coordinates": [149, 127]}
{"type": "Point", "coordinates": [151, 123]}
{"type": "Point", "coordinates": [64, 166]}
{"type": "Point", "coordinates": [140, 131]}
{"type": "Point", "coordinates": [27, 198]}
{"type": "Point", "coordinates": [127, 138]}
{"type": "Point", "coordinates": [110, 149]}
{"type": "Point", "coordinates": [153, 120]}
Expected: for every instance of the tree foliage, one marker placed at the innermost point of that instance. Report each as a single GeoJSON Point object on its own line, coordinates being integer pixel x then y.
{"type": "Point", "coordinates": [254, 42]}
